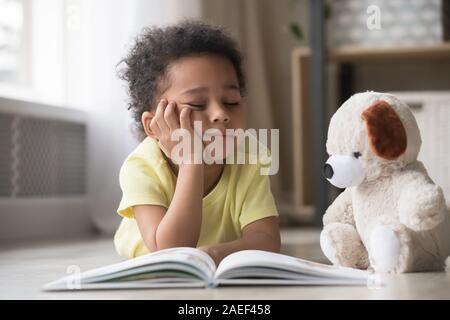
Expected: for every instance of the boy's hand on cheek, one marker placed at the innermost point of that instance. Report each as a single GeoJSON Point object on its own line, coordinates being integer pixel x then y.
{"type": "Point", "coordinates": [171, 130]}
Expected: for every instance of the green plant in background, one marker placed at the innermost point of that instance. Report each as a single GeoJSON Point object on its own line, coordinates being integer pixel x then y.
{"type": "Point", "coordinates": [295, 29]}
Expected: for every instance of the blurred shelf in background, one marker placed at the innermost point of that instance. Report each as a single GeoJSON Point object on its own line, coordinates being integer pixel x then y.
{"type": "Point", "coordinates": [299, 205]}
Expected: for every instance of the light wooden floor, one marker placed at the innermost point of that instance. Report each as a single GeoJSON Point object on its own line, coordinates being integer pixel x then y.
{"type": "Point", "coordinates": [25, 268]}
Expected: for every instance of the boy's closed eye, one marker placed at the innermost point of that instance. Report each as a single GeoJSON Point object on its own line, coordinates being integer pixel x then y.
{"type": "Point", "coordinates": [200, 106]}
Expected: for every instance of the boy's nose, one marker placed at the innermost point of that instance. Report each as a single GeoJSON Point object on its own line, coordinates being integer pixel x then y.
{"type": "Point", "coordinates": [219, 115]}
{"type": "Point", "coordinates": [225, 119]}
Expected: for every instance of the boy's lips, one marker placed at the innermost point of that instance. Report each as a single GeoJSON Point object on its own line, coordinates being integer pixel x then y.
{"type": "Point", "coordinates": [218, 133]}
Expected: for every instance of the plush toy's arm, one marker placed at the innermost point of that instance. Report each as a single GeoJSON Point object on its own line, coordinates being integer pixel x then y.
{"type": "Point", "coordinates": [340, 210]}
{"type": "Point", "coordinates": [421, 204]}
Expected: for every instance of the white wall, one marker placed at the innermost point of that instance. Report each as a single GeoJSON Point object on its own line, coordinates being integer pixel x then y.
{"type": "Point", "coordinates": [75, 47]}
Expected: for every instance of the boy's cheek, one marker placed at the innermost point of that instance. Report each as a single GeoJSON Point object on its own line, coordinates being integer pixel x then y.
{"type": "Point", "coordinates": [239, 119]}
{"type": "Point", "coordinates": [196, 116]}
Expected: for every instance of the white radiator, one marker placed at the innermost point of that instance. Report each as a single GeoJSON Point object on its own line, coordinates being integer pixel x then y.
{"type": "Point", "coordinates": [432, 112]}
{"type": "Point", "coordinates": [43, 165]}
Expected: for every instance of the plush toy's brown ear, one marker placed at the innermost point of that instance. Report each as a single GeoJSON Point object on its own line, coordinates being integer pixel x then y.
{"type": "Point", "coordinates": [387, 135]}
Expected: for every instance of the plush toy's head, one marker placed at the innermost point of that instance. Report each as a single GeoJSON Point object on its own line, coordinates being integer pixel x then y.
{"type": "Point", "coordinates": [370, 135]}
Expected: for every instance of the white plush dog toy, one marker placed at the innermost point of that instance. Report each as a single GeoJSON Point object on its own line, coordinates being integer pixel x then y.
{"type": "Point", "coordinates": [391, 216]}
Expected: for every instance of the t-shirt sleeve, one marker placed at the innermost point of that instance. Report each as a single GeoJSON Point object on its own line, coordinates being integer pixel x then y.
{"type": "Point", "coordinates": [258, 202]}
{"type": "Point", "coordinates": [140, 186]}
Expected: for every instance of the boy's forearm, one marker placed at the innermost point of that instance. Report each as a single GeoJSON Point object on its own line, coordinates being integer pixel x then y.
{"type": "Point", "coordinates": [255, 241]}
{"type": "Point", "coordinates": [181, 224]}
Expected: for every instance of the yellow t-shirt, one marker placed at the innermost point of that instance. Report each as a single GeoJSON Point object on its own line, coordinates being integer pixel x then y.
{"type": "Point", "coordinates": [241, 196]}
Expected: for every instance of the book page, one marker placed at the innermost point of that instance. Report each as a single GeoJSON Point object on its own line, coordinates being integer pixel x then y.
{"type": "Point", "coordinates": [184, 259]}
{"type": "Point", "coordinates": [274, 263]}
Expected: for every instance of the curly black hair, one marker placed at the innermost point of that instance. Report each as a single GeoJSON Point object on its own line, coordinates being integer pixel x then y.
{"type": "Point", "coordinates": [147, 63]}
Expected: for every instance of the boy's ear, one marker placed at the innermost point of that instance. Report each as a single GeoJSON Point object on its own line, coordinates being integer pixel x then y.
{"type": "Point", "coordinates": [146, 118]}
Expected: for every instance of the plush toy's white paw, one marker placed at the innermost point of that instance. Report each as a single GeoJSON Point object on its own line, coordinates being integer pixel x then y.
{"type": "Point", "coordinates": [327, 247]}
{"type": "Point", "coordinates": [384, 249]}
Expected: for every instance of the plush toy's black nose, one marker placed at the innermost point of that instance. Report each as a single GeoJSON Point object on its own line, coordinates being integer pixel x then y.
{"type": "Point", "coordinates": [328, 171]}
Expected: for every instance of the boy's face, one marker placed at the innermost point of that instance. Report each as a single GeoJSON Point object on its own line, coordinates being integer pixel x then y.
{"type": "Point", "coordinates": [209, 86]}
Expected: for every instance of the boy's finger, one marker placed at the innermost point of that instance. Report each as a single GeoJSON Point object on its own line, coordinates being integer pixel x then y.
{"type": "Point", "coordinates": [185, 118]}
{"type": "Point", "coordinates": [154, 127]}
{"type": "Point", "coordinates": [170, 116]}
{"type": "Point", "coordinates": [159, 115]}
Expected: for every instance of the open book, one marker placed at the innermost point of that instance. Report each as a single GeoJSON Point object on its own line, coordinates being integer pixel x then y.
{"type": "Point", "coordinates": [191, 267]}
